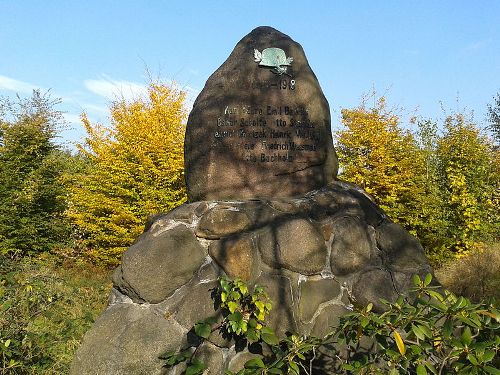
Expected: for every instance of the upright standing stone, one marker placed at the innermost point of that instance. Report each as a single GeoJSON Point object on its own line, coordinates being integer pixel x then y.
{"type": "Point", "coordinates": [261, 126]}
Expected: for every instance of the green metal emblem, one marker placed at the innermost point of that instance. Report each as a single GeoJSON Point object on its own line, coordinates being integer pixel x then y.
{"type": "Point", "coordinates": [274, 58]}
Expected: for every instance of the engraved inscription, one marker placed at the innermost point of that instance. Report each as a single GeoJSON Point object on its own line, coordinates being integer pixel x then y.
{"type": "Point", "coordinates": [268, 133]}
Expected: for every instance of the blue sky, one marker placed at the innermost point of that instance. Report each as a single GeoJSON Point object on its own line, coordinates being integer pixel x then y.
{"type": "Point", "coordinates": [418, 53]}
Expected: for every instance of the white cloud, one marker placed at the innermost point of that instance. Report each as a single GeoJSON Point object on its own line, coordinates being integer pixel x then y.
{"type": "Point", "coordinates": [112, 89]}
{"type": "Point", "coordinates": [478, 45]}
{"type": "Point", "coordinates": [11, 84]}
{"type": "Point", "coordinates": [72, 118]}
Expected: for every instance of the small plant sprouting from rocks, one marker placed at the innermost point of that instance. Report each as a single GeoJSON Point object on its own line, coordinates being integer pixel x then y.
{"type": "Point", "coordinates": [437, 333]}
{"type": "Point", "coordinates": [243, 314]}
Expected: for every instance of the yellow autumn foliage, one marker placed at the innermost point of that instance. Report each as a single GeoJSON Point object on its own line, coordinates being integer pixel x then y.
{"type": "Point", "coordinates": [444, 188]}
{"type": "Point", "coordinates": [470, 182]}
{"type": "Point", "coordinates": [376, 154]}
{"type": "Point", "coordinates": [135, 169]}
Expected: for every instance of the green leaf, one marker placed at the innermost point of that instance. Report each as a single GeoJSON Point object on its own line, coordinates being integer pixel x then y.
{"type": "Point", "coordinates": [369, 307]}
{"type": "Point", "coordinates": [425, 330]}
{"type": "Point", "coordinates": [274, 371]}
{"type": "Point", "coordinates": [232, 306]}
{"type": "Point", "coordinates": [255, 363]}
{"type": "Point", "coordinates": [173, 358]}
{"type": "Point", "coordinates": [243, 288]}
{"type": "Point", "coordinates": [203, 329]}
{"type": "Point", "coordinates": [420, 335]}
{"type": "Point", "coordinates": [196, 367]}
{"type": "Point", "coordinates": [447, 328]}
{"type": "Point", "coordinates": [416, 350]}
{"type": "Point", "coordinates": [224, 284]}
{"type": "Point", "coordinates": [491, 370]}
{"type": "Point", "coordinates": [260, 305]}
{"type": "Point", "coordinates": [253, 335]}
{"type": "Point", "coordinates": [428, 279]}
{"type": "Point", "coordinates": [294, 367]}
{"type": "Point", "coordinates": [466, 337]}
{"type": "Point", "coordinates": [416, 280]}
{"type": "Point", "coordinates": [269, 336]}
{"type": "Point", "coordinates": [472, 359]}
{"type": "Point", "coordinates": [459, 304]}
{"type": "Point", "coordinates": [439, 305]}
{"type": "Point", "coordinates": [235, 317]}
{"type": "Point", "coordinates": [438, 296]}
{"type": "Point", "coordinates": [467, 321]}
{"type": "Point", "coordinates": [431, 368]}
{"type": "Point", "coordinates": [421, 370]}
{"type": "Point", "coordinates": [252, 323]}
{"type": "Point", "coordinates": [488, 355]}
{"type": "Point", "coordinates": [235, 295]}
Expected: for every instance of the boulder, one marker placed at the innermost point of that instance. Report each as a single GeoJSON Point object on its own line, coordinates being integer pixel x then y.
{"type": "Point", "coordinates": [260, 128]}
{"type": "Point", "coordinates": [160, 261]}
{"type": "Point", "coordinates": [314, 269]}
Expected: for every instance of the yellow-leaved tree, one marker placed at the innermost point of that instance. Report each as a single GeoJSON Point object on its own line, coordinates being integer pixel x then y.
{"type": "Point", "coordinates": [376, 154]}
{"type": "Point", "coordinates": [470, 183]}
{"type": "Point", "coordinates": [135, 168]}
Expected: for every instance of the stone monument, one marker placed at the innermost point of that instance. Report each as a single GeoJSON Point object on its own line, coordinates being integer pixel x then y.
{"type": "Point", "coordinates": [264, 205]}
{"type": "Point", "coordinates": [261, 126]}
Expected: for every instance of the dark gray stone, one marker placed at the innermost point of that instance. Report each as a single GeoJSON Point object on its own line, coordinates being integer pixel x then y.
{"type": "Point", "coordinates": [328, 319]}
{"type": "Point", "coordinates": [213, 357]}
{"type": "Point", "coordinates": [239, 109]}
{"type": "Point", "coordinates": [403, 250]}
{"type": "Point", "coordinates": [279, 288]}
{"type": "Point", "coordinates": [285, 206]}
{"type": "Point", "coordinates": [185, 213]}
{"type": "Point", "coordinates": [158, 263]}
{"type": "Point", "coordinates": [351, 246]}
{"type": "Point", "coordinates": [237, 256]}
{"type": "Point", "coordinates": [239, 359]}
{"type": "Point", "coordinates": [295, 244]}
{"type": "Point", "coordinates": [313, 293]}
{"type": "Point", "coordinates": [260, 213]}
{"type": "Point", "coordinates": [127, 339]}
{"type": "Point", "coordinates": [196, 304]}
{"type": "Point", "coordinates": [222, 221]}
{"type": "Point", "coordinates": [373, 285]}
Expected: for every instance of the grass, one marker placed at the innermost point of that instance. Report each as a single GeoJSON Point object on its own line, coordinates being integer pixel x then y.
{"type": "Point", "coordinates": [46, 306]}
{"type": "Point", "coordinates": [476, 276]}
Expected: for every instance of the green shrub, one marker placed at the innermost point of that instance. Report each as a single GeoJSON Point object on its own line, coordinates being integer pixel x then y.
{"type": "Point", "coordinates": [437, 333]}
{"type": "Point", "coordinates": [32, 196]}
{"type": "Point", "coordinates": [46, 306]}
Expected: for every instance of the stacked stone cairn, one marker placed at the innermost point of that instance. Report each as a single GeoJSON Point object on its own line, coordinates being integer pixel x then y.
{"type": "Point", "coordinates": [264, 206]}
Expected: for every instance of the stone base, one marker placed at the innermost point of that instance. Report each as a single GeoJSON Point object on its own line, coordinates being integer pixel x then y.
{"type": "Point", "coordinates": [317, 255]}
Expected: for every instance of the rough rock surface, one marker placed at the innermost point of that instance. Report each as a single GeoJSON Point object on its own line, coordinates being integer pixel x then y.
{"type": "Point", "coordinates": [317, 255]}
{"type": "Point", "coordinates": [256, 133]}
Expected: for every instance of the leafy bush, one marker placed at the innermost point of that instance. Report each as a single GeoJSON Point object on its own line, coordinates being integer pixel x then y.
{"type": "Point", "coordinates": [441, 183]}
{"type": "Point", "coordinates": [437, 333]}
{"type": "Point", "coordinates": [135, 169]}
{"type": "Point", "coordinates": [31, 164]}
{"type": "Point", "coordinates": [45, 308]}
